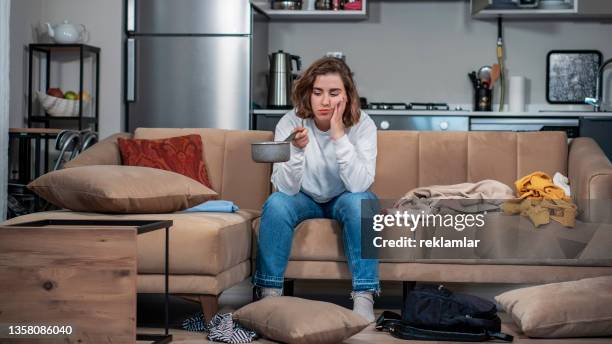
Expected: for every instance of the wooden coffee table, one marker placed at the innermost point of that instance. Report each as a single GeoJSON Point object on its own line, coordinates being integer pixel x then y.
{"type": "Point", "coordinates": [73, 281]}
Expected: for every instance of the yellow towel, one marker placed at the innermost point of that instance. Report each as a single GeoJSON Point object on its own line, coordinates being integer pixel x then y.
{"type": "Point", "coordinates": [539, 185]}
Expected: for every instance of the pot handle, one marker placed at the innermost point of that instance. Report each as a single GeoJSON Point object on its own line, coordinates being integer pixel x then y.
{"type": "Point", "coordinates": [84, 34]}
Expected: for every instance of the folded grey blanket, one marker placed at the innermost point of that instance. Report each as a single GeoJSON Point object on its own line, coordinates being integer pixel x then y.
{"type": "Point", "coordinates": [485, 195]}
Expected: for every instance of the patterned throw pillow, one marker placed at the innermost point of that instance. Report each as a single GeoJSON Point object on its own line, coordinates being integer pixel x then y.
{"type": "Point", "coordinates": [182, 154]}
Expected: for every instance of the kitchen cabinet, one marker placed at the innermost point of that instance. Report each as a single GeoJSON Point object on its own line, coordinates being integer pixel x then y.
{"type": "Point", "coordinates": [598, 128]}
{"type": "Point", "coordinates": [314, 15]}
{"type": "Point", "coordinates": [266, 120]}
{"type": "Point", "coordinates": [546, 9]}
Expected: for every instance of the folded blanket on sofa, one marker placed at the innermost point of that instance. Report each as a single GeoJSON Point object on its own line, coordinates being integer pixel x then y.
{"type": "Point", "coordinates": [485, 195]}
{"type": "Point", "coordinates": [219, 206]}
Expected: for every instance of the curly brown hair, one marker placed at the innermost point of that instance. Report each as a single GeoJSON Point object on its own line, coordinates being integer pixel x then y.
{"type": "Point", "coordinates": [303, 87]}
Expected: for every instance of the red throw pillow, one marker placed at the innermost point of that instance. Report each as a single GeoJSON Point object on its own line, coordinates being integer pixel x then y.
{"type": "Point", "coordinates": [182, 154]}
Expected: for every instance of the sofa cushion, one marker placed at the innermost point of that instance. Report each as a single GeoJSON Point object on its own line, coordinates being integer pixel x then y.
{"type": "Point", "coordinates": [294, 320]}
{"type": "Point", "coordinates": [433, 271]}
{"type": "Point", "coordinates": [314, 239]}
{"type": "Point", "coordinates": [508, 240]}
{"type": "Point", "coordinates": [409, 159]}
{"type": "Point", "coordinates": [232, 172]}
{"type": "Point", "coordinates": [105, 152]}
{"type": "Point", "coordinates": [566, 309]}
{"type": "Point", "coordinates": [120, 189]}
{"type": "Point", "coordinates": [181, 154]}
{"type": "Point", "coordinates": [200, 243]}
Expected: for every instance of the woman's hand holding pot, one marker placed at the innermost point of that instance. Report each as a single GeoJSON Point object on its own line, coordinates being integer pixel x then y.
{"type": "Point", "coordinates": [301, 138]}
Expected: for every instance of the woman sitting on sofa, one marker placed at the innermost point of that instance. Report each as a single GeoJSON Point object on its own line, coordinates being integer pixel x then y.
{"type": "Point", "coordinates": [332, 165]}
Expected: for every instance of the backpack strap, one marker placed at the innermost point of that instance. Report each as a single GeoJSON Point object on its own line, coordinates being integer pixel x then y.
{"type": "Point", "coordinates": [400, 329]}
{"type": "Point", "coordinates": [501, 336]}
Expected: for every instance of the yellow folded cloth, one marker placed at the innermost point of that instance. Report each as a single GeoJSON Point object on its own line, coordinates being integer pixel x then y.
{"type": "Point", "coordinates": [539, 185]}
{"type": "Point", "coordinates": [541, 211]}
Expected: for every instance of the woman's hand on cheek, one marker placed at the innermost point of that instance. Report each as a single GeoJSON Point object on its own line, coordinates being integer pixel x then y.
{"type": "Point", "coordinates": [337, 124]}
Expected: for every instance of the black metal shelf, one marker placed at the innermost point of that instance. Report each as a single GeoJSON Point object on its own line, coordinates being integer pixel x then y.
{"type": "Point", "coordinates": [62, 118]}
{"type": "Point", "coordinates": [82, 50]}
{"type": "Point", "coordinates": [49, 47]}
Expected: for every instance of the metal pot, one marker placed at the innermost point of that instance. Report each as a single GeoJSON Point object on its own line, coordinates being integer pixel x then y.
{"type": "Point", "coordinates": [270, 151]}
{"type": "Point", "coordinates": [273, 151]}
{"type": "Point", "coordinates": [287, 5]}
{"type": "Point", "coordinates": [324, 5]}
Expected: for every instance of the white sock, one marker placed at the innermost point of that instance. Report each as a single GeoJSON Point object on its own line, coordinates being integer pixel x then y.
{"type": "Point", "coordinates": [265, 292]}
{"type": "Point", "coordinates": [363, 304]}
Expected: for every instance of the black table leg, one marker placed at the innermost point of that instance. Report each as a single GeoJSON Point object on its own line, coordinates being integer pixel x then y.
{"type": "Point", "coordinates": [166, 337]}
{"type": "Point", "coordinates": [24, 168]}
{"type": "Point", "coordinates": [166, 278]}
{"type": "Point", "coordinates": [36, 156]}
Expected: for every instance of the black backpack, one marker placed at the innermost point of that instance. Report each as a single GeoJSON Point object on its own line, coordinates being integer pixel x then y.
{"type": "Point", "coordinates": [433, 312]}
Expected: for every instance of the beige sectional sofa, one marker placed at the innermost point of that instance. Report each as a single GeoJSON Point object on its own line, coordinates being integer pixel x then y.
{"type": "Point", "coordinates": [208, 252]}
{"type": "Point", "coordinates": [211, 252]}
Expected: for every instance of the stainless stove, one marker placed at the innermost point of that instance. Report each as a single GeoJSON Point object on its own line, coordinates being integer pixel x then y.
{"type": "Point", "coordinates": [408, 121]}
{"type": "Point", "coordinates": [387, 106]}
{"type": "Point", "coordinates": [409, 106]}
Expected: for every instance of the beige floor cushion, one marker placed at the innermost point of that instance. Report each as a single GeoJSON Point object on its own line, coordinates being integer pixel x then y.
{"type": "Point", "coordinates": [580, 308]}
{"type": "Point", "coordinates": [295, 320]}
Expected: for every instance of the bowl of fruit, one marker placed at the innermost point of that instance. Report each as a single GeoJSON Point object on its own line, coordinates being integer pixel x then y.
{"type": "Point", "coordinates": [59, 104]}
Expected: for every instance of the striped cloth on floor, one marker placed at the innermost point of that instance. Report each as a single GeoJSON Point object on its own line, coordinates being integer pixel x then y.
{"type": "Point", "coordinates": [222, 328]}
{"type": "Point", "coordinates": [195, 323]}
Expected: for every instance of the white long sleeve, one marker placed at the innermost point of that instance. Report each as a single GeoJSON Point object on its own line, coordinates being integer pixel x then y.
{"type": "Point", "coordinates": [326, 168]}
{"type": "Point", "coordinates": [287, 176]}
{"type": "Point", "coordinates": [357, 161]}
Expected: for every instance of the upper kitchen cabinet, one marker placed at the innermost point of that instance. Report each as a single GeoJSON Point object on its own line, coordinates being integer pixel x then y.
{"type": "Point", "coordinates": [311, 10]}
{"type": "Point", "coordinates": [541, 8]}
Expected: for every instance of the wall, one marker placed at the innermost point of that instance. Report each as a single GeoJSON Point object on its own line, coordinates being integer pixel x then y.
{"type": "Point", "coordinates": [104, 22]}
{"type": "Point", "coordinates": [24, 16]}
{"type": "Point", "coordinates": [405, 51]}
{"type": "Point", "coordinates": [422, 50]}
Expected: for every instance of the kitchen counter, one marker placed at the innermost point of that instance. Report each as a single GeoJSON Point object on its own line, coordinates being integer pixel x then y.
{"type": "Point", "coordinates": [597, 125]}
{"type": "Point", "coordinates": [539, 114]}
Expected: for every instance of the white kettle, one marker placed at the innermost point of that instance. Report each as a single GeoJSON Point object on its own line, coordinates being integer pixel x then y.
{"type": "Point", "coordinates": [68, 33]}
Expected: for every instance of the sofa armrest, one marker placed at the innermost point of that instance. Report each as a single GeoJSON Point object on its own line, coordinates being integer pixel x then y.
{"type": "Point", "coordinates": [590, 175]}
{"type": "Point", "coordinates": [105, 152]}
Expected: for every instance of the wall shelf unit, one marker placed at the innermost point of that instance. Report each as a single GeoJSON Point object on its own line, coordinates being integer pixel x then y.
{"type": "Point", "coordinates": [546, 9]}
{"type": "Point", "coordinates": [314, 15]}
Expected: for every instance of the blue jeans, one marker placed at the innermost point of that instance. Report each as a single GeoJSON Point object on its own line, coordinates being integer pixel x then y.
{"type": "Point", "coordinates": [282, 213]}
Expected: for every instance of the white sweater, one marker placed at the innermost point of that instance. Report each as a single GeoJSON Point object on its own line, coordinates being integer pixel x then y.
{"type": "Point", "coordinates": [326, 168]}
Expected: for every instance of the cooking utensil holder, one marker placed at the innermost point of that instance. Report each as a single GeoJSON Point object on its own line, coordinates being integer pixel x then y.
{"type": "Point", "coordinates": [482, 99]}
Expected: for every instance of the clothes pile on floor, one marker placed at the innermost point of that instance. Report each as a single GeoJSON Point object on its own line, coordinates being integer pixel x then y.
{"type": "Point", "coordinates": [222, 328]}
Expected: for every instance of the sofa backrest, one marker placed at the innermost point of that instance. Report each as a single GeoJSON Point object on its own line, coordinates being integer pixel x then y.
{"type": "Point", "coordinates": [227, 155]}
{"type": "Point", "coordinates": [408, 159]}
